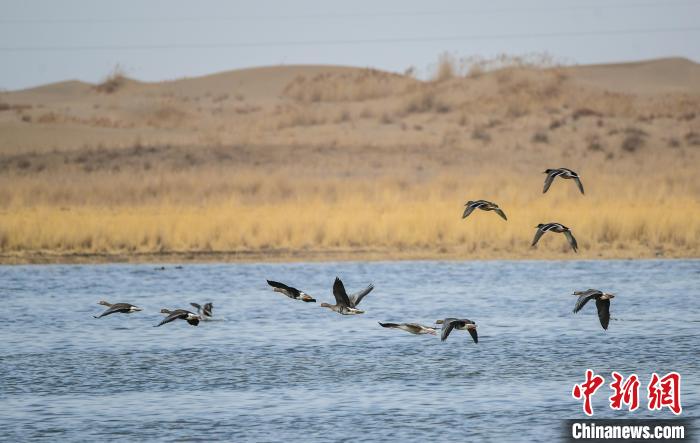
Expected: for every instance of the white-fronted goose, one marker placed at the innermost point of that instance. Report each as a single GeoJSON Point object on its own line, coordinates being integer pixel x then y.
{"type": "Point", "coordinates": [558, 228]}
{"type": "Point", "coordinates": [291, 292]}
{"type": "Point", "coordinates": [484, 206]}
{"type": "Point", "coordinates": [563, 173]}
{"type": "Point", "coordinates": [463, 324]}
{"type": "Point", "coordinates": [413, 328]}
{"type": "Point", "coordinates": [124, 308]}
{"type": "Point", "coordinates": [602, 302]}
{"type": "Point", "coordinates": [182, 314]}
{"type": "Point", "coordinates": [342, 301]}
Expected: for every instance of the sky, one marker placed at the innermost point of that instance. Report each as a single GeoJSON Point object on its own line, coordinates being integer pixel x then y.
{"type": "Point", "coordinates": [43, 41]}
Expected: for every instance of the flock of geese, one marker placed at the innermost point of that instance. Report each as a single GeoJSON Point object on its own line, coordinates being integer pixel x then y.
{"type": "Point", "coordinates": [347, 304]}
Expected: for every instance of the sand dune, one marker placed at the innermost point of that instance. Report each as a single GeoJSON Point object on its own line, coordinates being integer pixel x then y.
{"type": "Point", "coordinates": [316, 142]}
{"type": "Point", "coordinates": [662, 76]}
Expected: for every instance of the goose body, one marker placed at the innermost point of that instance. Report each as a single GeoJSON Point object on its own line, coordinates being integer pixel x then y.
{"type": "Point", "coordinates": [463, 324]}
{"type": "Point", "coordinates": [558, 228]}
{"type": "Point", "coordinates": [123, 308]}
{"type": "Point", "coordinates": [602, 303]}
{"type": "Point", "coordinates": [484, 205]}
{"type": "Point", "coordinates": [182, 314]}
{"type": "Point", "coordinates": [205, 312]}
{"type": "Point", "coordinates": [413, 328]}
{"type": "Point", "coordinates": [343, 304]}
{"type": "Point", "coordinates": [562, 173]}
{"type": "Point", "coordinates": [291, 292]}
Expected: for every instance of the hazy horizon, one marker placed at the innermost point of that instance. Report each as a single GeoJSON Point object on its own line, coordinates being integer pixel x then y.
{"type": "Point", "coordinates": [47, 42]}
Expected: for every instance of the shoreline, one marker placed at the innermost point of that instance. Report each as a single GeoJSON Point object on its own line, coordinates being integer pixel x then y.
{"type": "Point", "coordinates": [296, 256]}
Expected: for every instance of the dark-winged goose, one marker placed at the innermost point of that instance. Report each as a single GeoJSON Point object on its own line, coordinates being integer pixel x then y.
{"type": "Point", "coordinates": [290, 292]}
{"type": "Point", "coordinates": [182, 314]}
{"type": "Point", "coordinates": [602, 302]}
{"type": "Point", "coordinates": [124, 308]}
{"type": "Point", "coordinates": [413, 328]}
{"type": "Point", "coordinates": [463, 324]}
{"type": "Point", "coordinates": [342, 301]}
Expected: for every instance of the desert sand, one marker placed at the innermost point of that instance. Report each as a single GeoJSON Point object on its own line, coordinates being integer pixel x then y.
{"type": "Point", "coordinates": [332, 163]}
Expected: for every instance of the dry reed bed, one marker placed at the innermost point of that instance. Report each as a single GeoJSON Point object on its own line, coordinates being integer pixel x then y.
{"type": "Point", "coordinates": [616, 219]}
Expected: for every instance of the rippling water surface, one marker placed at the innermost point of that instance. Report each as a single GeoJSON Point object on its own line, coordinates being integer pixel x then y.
{"type": "Point", "coordinates": [270, 368]}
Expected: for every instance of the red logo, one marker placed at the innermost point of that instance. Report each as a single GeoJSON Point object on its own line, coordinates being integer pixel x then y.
{"type": "Point", "coordinates": [665, 392]}
{"type": "Point", "coordinates": [624, 393]}
{"type": "Point", "coordinates": [587, 389]}
{"type": "Point", "coordinates": [662, 391]}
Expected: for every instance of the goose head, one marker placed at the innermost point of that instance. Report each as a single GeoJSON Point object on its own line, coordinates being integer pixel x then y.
{"type": "Point", "coordinates": [104, 303]}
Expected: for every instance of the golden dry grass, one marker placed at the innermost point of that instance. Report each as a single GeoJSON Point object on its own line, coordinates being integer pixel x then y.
{"type": "Point", "coordinates": [615, 219]}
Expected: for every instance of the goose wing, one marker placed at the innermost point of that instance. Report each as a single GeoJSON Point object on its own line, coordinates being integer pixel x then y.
{"type": "Point", "coordinates": [174, 315]}
{"type": "Point", "coordinates": [208, 309]}
{"type": "Point", "coordinates": [548, 181]}
{"type": "Point", "coordinates": [538, 234]}
{"type": "Point", "coordinates": [579, 184]}
{"type": "Point", "coordinates": [341, 297]}
{"type": "Point", "coordinates": [388, 325]}
{"type": "Point", "coordinates": [474, 335]}
{"type": "Point", "coordinates": [286, 290]}
{"type": "Point", "coordinates": [582, 300]}
{"type": "Point", "coordinates": [196, 306]}
{"type": "Point", "coordinates": [603, 312]}
{"type": "Point", "coordinates": [447, 326]}
{"type": "Point", "coordinates": [357, 297]}
{"type": "Point", "coordinates": [572, 240]}
{"type": "Point", "coordinates": [117, 307]}
{"type": "Point", "coordinates": [413, 328]}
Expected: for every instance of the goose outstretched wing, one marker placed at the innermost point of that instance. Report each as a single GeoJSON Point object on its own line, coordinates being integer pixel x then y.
{"type": "Point", "coordinates": [357, 297]}
{"type": "Point", "coordinates": [603, 312]}
{"type": "Point", "coordinates": [341, 297]}
{"type": "Point", "coordinates": [447, 326]}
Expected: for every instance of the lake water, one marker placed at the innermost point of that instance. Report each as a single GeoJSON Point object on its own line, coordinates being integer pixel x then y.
{"type": "Point", "coordinates": [274, 369]}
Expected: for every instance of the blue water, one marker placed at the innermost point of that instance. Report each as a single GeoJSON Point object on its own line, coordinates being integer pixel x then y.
{"type": "Point", "coordinates": [274, 369]}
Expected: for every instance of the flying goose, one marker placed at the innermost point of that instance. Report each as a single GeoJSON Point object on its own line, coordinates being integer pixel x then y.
{"type": "Point", "coordinates": [484, 206]}
{"type": "Point", "coordinates": [183, 314]}
{"type": "Point", "coordinates": [290, 292]}
{"type": "Point", "coordinates": [455, 323]}
{"type": "Point", "coordinates": [558, 228]}
{"type": "Point", "coordinates": [602, 302]}
{"type": "Point", "coordinates": [205, 312]}
{"type": "Point", "coordinates": [563, 173]}
{"type": "Point", "coordinates": [342, 305]}
{"type": "Point", "coordinates": [124, 308]}
{"type": "Point", "coordinates": [413, 328]}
